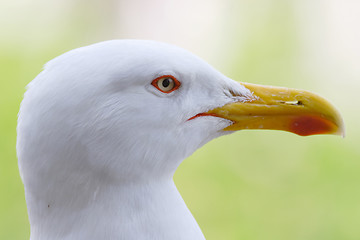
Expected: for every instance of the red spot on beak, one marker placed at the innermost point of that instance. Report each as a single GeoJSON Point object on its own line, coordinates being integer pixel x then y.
{"type": "Point", "coordinates": [310, 125]}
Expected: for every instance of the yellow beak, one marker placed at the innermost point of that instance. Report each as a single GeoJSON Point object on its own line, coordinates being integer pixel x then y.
{"type": "Point", "coordinates": [277, 108]}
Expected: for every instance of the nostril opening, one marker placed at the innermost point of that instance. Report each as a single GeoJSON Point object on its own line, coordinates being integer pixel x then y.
{"type": "Point", "coordinates": [298, 103]}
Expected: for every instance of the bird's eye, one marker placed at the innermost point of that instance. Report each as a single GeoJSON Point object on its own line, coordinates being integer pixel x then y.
{"type": "Point", "coordinates": [166, 84]}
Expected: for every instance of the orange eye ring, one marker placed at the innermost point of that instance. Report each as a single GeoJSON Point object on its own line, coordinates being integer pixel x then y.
{"type": "Point", "coordinates": [166, 83]}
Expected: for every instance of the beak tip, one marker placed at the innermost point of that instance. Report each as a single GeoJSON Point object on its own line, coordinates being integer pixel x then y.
{"type": "Point", "coordinates": [341, 132]}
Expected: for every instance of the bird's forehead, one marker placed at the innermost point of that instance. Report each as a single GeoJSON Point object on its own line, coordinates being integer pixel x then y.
{"type": "Point", "coordinates": [132, 57]}
{"type": "Point", "coordinates": [128, 63]}
{"type": "Point", "coordinates": [148, 57]}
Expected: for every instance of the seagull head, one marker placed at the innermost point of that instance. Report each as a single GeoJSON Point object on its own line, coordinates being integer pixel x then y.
{"type": "Point", "coordinates": [139, 106]}
{"type": "Point", "coordinates": [127, 111]}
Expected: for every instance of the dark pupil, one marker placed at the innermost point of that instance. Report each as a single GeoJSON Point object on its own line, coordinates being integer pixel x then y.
{"type": "Point", "coordinates": [166, 83]}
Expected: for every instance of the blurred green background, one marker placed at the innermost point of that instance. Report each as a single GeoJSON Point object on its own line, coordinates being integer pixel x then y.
{"type": "Point", "coordinates": [251, 185]}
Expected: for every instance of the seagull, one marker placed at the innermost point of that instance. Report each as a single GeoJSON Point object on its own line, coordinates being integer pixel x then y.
{"type": "Point", "coordinates": [102, 129]}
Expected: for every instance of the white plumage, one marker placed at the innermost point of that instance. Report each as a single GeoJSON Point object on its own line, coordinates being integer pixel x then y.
{"type": "Point", "coordinates": [98, 144]}
{"type": "Point", "coordinates": [99, 139]}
